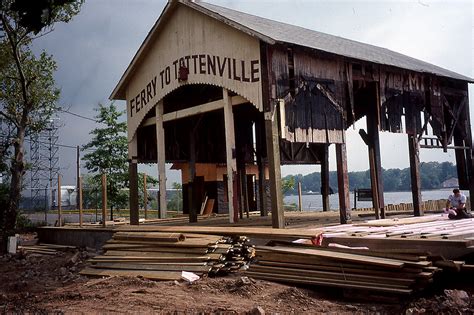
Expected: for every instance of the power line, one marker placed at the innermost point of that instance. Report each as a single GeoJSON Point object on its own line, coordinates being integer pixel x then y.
{"type": "Point", "coordinates": [77, 115]}
{"type": "Point", "coordinates": [60, 145]}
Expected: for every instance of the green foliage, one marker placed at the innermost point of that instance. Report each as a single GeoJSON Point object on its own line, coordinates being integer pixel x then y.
{"type": "Point", "coordinates": [38, 14]}
{"type": "Point", "coordinates": [432, 174]}
{"type": "Point", "coordinates": [107, 154]}
{"type": "Point", "coordinates": [287, 184]}
{"type": "Point", "coordinates": [28, 94]}
{"type": "Point", "coordinates": [176, 201]}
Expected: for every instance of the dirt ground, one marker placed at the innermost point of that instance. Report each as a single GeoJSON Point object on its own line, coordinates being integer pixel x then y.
{"type": "Point", "coordinates": [51, 284]}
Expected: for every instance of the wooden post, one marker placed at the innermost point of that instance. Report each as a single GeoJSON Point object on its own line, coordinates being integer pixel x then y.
{"type": "Point", "coordinates": [414, 153]}
{"type": "Point", "coordinates": [230, 152]}
{"type": "Point", "coordinates": [104, 199]}
{"type": "Point", "coordinates": [261, 167]}
{"type": "Point", "coordinates": [192, 204]}
{"type": "Point", "coordinates": [80, 202]}
{"type": "Point", "coordinates": [375, 164]}
{"type": "Point", "coordinates": [59, 201]}
{"type": "Point", "coordinates": [300, 197]}
{"type": "Point", "coordinates": [273, 154]}
{"type": "Point", "coordinates": [325, 178]}
{"type": "Point", "coordinates": [133, 197]}
{"type": "Point", "coordinates": [145, 197]}
{"type": "Point", "coordinates": [343, 183]}
{"type": "Point", "coordinates": [160, 143]}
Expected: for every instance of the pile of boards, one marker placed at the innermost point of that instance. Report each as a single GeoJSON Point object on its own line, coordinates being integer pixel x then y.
{"type": "Point", "coordinates": [345, 268]}
{"type": "Point", "coordinates": [165, 256]}
{"type": "Point", "coordinates": [45, 249]}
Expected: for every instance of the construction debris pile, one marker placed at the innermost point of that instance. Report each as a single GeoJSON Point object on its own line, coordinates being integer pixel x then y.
{"type": "Point", "coordinates": [170, 256]}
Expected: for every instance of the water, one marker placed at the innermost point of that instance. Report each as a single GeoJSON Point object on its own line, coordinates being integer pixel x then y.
{"type": "Point", "coordinates": [314, 202]}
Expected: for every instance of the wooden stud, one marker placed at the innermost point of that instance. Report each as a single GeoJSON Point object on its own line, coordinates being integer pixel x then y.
{"type": "Point", "coordinates": [80, 202]}
{"type": "Point", "coordinates": [414, 153]}
{"type": "Point", "coordinates": [160, 143]}
{"type": "Point", "coordinates": [59, 201]}
{"type": "Point", "coordinates": [104, 199]}
{"type": "Point", "coordinates": [343, 183]}
{"type": "Point", "coordinates": [325, 178]}
{"type": "Point", "coordinates": [133, 182]}
{"type": "Point", "coordinates": [230, 152]}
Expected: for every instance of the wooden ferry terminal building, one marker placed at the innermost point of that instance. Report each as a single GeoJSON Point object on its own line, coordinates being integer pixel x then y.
{"type": "Point", "coordinates": [228, 97]}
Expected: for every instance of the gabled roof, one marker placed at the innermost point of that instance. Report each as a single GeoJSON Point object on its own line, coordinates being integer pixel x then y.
{"type": "Point", "coordinates": [272, 32]}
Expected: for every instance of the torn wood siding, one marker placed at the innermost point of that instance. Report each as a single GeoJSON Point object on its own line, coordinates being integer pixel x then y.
{"type": "Point", "coordinates": [315, 108]}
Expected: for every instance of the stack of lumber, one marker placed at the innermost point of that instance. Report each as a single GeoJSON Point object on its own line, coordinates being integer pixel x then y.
{"type": "Point", "coordinates": [164, 256]}
{"type": "Point", "coordinates": [345, 268]}
{"type": "Point", "coordinates": [45, 249]}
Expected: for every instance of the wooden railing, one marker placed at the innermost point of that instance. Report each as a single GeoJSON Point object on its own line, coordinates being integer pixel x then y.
{"type": "Point", "coordinates": [425, 206]}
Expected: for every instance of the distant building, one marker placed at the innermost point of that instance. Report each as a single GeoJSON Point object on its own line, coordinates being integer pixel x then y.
{"type": "Point", "coordinates": [450, 183]}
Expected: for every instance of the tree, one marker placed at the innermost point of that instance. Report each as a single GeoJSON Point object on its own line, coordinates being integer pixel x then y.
{"type": "Point", "coordinates": [287, 184]}
{"type": "Point", "coordinates": [108, 154]}
{"type": "Point", "coordinates": [28, 95]}
{"type": "Point", "coordinates": [176, 202]}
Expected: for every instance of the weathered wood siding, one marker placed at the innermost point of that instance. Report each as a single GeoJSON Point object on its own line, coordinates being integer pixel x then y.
{"type": "Point", "coordinates": [213, 52]}
{"type": "Point", "coordinates": [314, 91]}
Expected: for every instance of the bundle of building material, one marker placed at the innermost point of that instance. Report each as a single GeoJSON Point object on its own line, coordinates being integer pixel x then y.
{"type": "Point", "coordinates": [45, 249]}
{"type": "Point", "coordinates": [165, 256]}
{"type": "Point", "coordinates": [371, 271]}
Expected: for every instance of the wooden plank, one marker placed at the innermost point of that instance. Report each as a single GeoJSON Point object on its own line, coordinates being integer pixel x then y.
{"type": "Point", "coordinates": [209, 207]}
{"type": "Point", "coordinates": [203, 268]}
{"type": "Point", "coordinates": [342, 269]}
{"type": "Point", "coordinates": [155, 236]}
{"type": "Point", "coordinates": [385, 262]}
{"type": "Point", "coordinates": [325, 282]}
{"type": "Point", "coordinates": [269, 233]}
{"type": "Point", "coordinates": [153, 275]}
{"type": "Point", "coordinates": [390, 279]}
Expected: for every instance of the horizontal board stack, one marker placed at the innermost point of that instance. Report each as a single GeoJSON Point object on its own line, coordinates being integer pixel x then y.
{"type": "Point", "coordinates": [164, 256]}
{"type": "Point", "coordinates": [393, 273]}
{"type": "Point", "coordinates": [45, 249]}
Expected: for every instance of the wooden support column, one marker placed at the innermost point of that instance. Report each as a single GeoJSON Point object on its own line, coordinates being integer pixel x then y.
{"type": "Point", "coordinates": [414, 151]}
{"type": "Point", "coordinates": [259, 136]}
{"type": "Point", "coordinates": [375, 164]}
{"type": "Point", "coordinates": [325, 178]}
{"type": "Point", "coordinates": [300, 197]}
{"type": "Point", "coordinates": [230, 153]}
{"type": "Point", "coordinates": [193, 212]}
{"type": "Point", "coordinates": [133, 186]}
{"type": "Point", "coordinates": [469, 156]}
{"type": "Point", "coordinates": [273, 154]}
{"type": "Point", "coordinates": [160, 143]}
{"type": "Point", "coordinates": [343, 183]}
{"type": "Point", "coordinates": [104, 199]}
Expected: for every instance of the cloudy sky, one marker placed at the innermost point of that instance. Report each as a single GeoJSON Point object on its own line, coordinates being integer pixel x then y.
{"type": "Point", "coordinates": [94, 49]}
